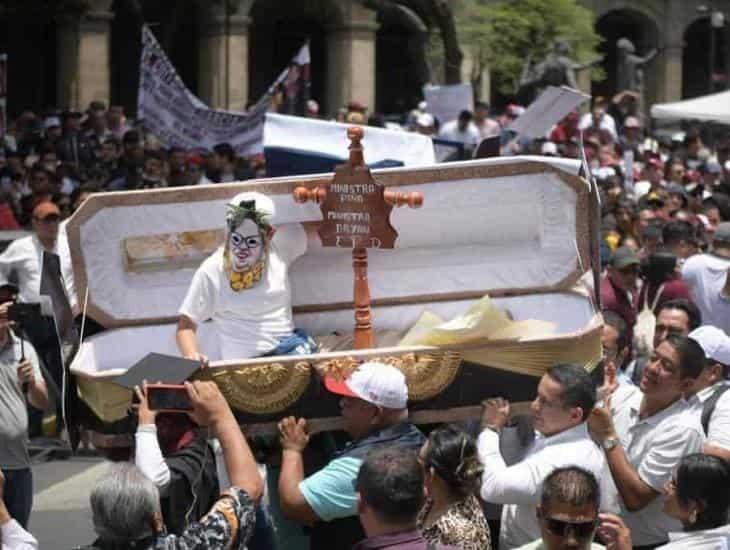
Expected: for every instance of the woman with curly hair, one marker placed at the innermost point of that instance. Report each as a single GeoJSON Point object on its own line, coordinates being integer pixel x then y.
{"type": "Point", "coordinates": [452, 514]}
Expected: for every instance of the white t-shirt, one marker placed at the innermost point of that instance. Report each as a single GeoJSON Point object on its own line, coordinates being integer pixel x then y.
{"type": "Point", "coordinates": [607, 123]}
{"type": "Point", "coordinates": [705, 275]}
{"type": "Point", "coordinates": [654, 446]}
{"type": "Point", "coordinates": [718, 429]}
{"type": "Point", "coordinates": [469, 137]}
{"type": "Point", "coordinates": [251, 322]}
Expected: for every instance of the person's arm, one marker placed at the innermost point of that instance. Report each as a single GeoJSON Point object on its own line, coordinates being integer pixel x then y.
{"type": "Point", "coordinates": [29, 372]}
{"type": "Point", "coordinates": [714, 450]}
{"type": "Point", "coordinates": [211, 409]}
{"type": "Point", "coordinates": [13, 536]}
{"type": "Point", "coordinates": [502, 484]}
{"type": "Point", "coordinates": [570, 77]}
{"type": "Point", "coordinates": [635, 492]}
{"type": "Point", "coordinates": [10, 259]}
{"type": "Point", "coordinates": [648, 57]}
{"type": "Point", "coordinates": [638, 486]}
{"type": "Point", "coordinates": [294, 439]}
{"type": "Point", "coordinates": [147, 453]}
{"type": "Point", "coordinates": [187, 339]}
{"type": "Point", "coordinates": [198, 305]}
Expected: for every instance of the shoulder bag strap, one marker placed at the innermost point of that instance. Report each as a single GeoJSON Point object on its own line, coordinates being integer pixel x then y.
{"type": "Point", "coordinates": [709, 407]}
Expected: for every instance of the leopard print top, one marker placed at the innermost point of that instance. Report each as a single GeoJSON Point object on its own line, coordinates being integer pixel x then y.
{"type": "Point", "coordinates": [463, 526]}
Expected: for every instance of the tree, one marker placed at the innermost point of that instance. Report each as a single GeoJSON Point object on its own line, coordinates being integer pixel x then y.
{"type": "Point", "coordinates": [502, 36]}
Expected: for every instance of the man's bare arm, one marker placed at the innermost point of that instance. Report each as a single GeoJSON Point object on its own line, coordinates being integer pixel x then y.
{"type": "Point", "coordinates": [187, 339]}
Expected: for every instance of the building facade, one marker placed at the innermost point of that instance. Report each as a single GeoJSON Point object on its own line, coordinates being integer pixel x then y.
{"type": "Point", "coordinates": [229, 51]}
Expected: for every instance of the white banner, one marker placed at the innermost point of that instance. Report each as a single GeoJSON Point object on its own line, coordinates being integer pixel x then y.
{"type": "Point", "coordinates": [446, 102]}
{"type": "Point", "coordinates": [547, 110]}
{"type": "Point", "coordinates": [179, 119]}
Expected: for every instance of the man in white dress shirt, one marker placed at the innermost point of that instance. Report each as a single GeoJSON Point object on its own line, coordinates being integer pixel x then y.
{"type": "Point", "coordinates": [645, 440]}
{"type": "Point", "coordinates": [709, 397]}
{"type": "Point", "coordinates": [565, 397]}
{"type": "Point", "coordinates": [24, 256]}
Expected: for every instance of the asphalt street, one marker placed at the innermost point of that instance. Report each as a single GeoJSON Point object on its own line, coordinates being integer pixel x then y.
{"type": "Point", "coordinates": [60, 519]}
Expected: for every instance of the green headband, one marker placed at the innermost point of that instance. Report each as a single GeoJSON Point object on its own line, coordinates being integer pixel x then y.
{"type": "Point", "coordinates": [246, 210]}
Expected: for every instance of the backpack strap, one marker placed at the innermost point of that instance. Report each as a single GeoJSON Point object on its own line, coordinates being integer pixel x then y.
{"type": "Point", "coordinates": [709, 407]}
{"type": "Point", "coordinates": [657, 296]}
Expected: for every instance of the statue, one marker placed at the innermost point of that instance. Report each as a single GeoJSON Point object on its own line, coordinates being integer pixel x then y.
{"type": "Point", "coordinates": [630, 74]}
{"type": "Point", "coordinates": [557, 69]}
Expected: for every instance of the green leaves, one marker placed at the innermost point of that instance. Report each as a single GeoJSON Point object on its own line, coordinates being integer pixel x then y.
{"type": "Point", "coordinates": [502, 35]}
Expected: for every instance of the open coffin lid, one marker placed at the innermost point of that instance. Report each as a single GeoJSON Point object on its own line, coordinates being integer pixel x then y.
{"type": "Point", "coordinates": [517, 229]}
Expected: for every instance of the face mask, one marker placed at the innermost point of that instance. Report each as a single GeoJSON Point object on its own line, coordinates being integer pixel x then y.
{"type": "Point", "coordinates": [245, 255]}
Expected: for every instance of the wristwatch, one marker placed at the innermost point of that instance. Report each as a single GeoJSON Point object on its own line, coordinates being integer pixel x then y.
{"type": "Point", "coordinates": [609, 443]}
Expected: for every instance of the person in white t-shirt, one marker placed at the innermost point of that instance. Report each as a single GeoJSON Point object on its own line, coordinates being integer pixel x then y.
{"type": "Point", "coordinates": [645, 440]}
{"type": "Point", "coordinates": [461, 130]}
{"type": "Point", "coordinates": [243, 287]}
{"type": "Point", "coordinates": [707, 278]}
{"type": "Point", "coordinates": [709, 397]}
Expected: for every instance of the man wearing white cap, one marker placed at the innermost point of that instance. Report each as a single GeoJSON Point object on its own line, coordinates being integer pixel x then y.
{"type": "Point", "coordinates": [244, 288]}
{"type": "Point", "coordinates": [709, 398]}
{"type": "Point", "coordinates": [374, 414]}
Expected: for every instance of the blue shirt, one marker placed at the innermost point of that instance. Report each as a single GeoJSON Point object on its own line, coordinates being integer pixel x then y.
{"type": "Point", "coordinates": [330, 492]}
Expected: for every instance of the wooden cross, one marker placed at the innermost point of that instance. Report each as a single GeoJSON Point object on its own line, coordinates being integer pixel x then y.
{"type": "Point", "coordinates": [356, 214]}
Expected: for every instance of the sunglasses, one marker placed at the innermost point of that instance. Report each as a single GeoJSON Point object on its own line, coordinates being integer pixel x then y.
{"type": "Point", "coordinates": [581, 530]}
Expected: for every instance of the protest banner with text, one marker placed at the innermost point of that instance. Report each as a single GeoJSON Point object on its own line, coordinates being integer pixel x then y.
{"type": "Point", "coordinates": [178, 118]}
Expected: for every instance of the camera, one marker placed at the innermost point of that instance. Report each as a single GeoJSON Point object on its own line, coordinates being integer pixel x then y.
{"type": "Point", "coordinates": [22, 313]}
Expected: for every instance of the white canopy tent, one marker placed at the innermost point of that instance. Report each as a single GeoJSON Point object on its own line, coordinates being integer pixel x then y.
{"type": "Point", "coordinates": [713, 108]}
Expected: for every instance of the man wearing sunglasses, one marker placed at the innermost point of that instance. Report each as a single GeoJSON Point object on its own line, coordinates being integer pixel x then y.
{"type": "Point", "coordinates": [23, 257]}
{"type": "Point", "coordinates": [569, 518]}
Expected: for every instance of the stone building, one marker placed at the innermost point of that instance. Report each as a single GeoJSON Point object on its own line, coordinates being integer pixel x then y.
{"type": "Point", "coordinates": [228, 51]}
{"type": "Point", "coordinates": [688, 44]}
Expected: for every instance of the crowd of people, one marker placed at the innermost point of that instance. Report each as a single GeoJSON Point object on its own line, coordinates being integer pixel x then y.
{"type": "Point", "coordinates": [632, 455]}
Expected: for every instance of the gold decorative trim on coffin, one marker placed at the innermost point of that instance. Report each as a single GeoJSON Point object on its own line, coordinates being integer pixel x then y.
{"type": "Point", "coordinates": [427, 374]}
{"type": "Point", "coordinates": [261, 389]}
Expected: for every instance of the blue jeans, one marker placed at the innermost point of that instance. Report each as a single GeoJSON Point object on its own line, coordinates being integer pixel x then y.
{"type": "Point", "coordinates": [18, 495]}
